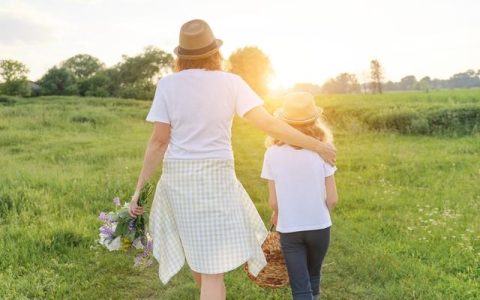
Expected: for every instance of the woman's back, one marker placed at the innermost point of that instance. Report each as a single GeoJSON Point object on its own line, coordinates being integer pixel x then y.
{"type": "Point", "coordinates": [199, 105]}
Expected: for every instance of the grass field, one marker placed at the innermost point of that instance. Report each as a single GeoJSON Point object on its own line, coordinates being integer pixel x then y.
{"type": "Point", "coordinates": [406, 226]}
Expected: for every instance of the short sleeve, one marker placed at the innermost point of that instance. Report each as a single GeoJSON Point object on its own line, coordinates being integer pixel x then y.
{"type": "Point", "coordinates": [246, 98]}
{"type": "Point", "coordinates": [158, 111]}
{"type": "Point", "coordinates": [266, 171]}
{"type": "Point", "coordinates": [329, 170]}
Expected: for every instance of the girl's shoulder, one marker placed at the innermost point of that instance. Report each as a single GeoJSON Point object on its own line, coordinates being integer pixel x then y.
{"type": "Point", "coordinates": [274, 148]}
{"type": "Point", "coordinates": [283, 150]}
{"type": "Point", "coordinates": [288, 152]}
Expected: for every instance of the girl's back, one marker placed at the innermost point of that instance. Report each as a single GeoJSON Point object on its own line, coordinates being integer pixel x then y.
{"type": "Point", "coordinates": [299, 177]}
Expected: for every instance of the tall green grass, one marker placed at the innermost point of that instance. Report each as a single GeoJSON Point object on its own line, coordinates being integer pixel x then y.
{"type": "Point", "coordinates": [406, 226]}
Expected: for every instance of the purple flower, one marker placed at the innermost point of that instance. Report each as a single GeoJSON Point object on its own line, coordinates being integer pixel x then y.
{"type": "Point", "coordinates": [116, 201]}
{"type": "Point", "coordinates": [107, 230]}
{"type": "Point", "coordinates": [148, 249]}
{"type": "Point", "coordinates": [144, 259]}
{"type": "Point", "coordinates": [149, 245]}
{"type": "Point", "coordinates": [103, 217]}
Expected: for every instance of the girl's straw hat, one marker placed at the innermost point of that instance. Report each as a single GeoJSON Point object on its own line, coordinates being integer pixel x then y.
{"type": "Point", "coordinates": [196, 41]}
{"type": "Point", "coordinates": [299, 108]}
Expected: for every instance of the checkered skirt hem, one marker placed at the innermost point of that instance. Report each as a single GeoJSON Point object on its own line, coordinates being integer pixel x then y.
{"type": "Point", "coordinates": [202, 214]}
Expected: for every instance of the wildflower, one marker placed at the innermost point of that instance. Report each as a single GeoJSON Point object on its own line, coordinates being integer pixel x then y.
{"type": "Point", "coordinates": [121, 232]}
{"type": "Point", "coordinates": [144, 259]}
{"type": "Point", "coordinates": [150, 245]}
{"type": "Point", "coordinates": [106, 230]}
{"type": "Point", "coordinates": [114, 244]}
{"type": "Point", "coordinates": [131, 224]}
{"type": "Point", "coordinates": [103, 217]}
{"type": "Point", "coordinates": [137, 243]}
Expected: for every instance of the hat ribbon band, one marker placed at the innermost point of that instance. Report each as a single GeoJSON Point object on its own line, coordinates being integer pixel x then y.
{"type": "Point", "coordinates": [183, 51]}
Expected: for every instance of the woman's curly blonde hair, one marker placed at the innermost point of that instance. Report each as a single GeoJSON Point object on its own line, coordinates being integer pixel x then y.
{"type": "Point", "coordinates": [211, 63]}
{"type": "Point", "coordinates": [317, 129]}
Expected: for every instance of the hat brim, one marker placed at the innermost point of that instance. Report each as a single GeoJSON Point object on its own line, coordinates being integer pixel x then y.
{"type": "Point", "coordinates": [218, 43]}
{"type": "Point", "coordinates": [279, 115]}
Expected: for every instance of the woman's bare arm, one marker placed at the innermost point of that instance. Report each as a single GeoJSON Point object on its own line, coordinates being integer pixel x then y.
{"type": "Point", "coordinates": [276, 128]}
{"type": "Point", "coordinates": [331, 191]}
{"type": "Point", "coordinates": [154, 153]}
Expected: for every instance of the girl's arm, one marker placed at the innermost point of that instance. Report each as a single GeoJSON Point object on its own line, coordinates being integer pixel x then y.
{"type": "Point", "coordinates": [276, 128]}
{"type": "Point", "coordinates": [331, 191]}
{"type": "Point", "coordinates": [272, 201]}
{"type": "Point", "coordinates": [156, 147]}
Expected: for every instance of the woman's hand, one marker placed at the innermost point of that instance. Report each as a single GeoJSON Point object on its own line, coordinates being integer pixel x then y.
{"type": "Point", "coordinates": [134, 209]}
{"type": "Point", "coordinates": [329, 153]}
{"type": "Point", "coordinates": [156, 148]}
{"type": "Point", "coordinates": [261, 119]}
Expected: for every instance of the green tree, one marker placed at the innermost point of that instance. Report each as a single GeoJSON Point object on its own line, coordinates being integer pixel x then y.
{"type": "Point", "coordinates": [14, 75]}
{"type": "Point", "coordinates": [424, 84]}
{"type": "Point", "coordinates": [344, 83]}
{"type": "Point", "coordinates": [376, 74]}
{"type": "Point", "coordinates": [253, 66]}
{"type": "Point", "coordinates": [58, 81]}
{"type": "Point", "coordinates": [408, 82]}
{"type": "Point", "coordinates": [98, 85]}
{"type": "Point", "coordinates": [136, 76]}
{"type": "Point", "coordinates": [467, 79]}
{"type": "Point", "coordinates": [82, 66]}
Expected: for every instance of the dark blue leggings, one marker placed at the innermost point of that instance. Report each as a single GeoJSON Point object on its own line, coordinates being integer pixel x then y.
{"type": "Point", "coordinates": [304, 252]}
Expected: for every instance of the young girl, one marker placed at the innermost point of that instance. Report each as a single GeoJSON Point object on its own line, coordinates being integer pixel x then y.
{"type": "Point", "coordinates": [302, 193]}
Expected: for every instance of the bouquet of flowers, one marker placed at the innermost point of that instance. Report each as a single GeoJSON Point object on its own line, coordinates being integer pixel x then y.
{"type": "Point", "coordinates": [122, 232]}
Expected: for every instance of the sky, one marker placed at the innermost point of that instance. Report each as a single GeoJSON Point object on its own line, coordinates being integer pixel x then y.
{"type": "Point", "coordinates": [307, 41]}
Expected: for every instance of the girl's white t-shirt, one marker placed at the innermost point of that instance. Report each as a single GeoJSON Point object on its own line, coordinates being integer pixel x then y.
{"type": "Point", "coordinates": [299, 177]}
{"type": "Point", "coordinates": [199, 105]}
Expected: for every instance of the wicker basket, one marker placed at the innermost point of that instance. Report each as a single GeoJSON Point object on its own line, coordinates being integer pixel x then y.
{"type": "Point", "coordinates": [274, 275]}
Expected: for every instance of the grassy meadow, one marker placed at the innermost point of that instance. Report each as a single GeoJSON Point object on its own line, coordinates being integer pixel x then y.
{"type": "Point", "coordinates": [406, 226]}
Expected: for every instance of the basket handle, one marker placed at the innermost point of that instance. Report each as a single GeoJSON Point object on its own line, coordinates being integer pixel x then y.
{"type": "Point", "coordinates": [271, 227]}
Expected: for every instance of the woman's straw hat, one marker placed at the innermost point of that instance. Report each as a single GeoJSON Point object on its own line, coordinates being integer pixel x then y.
{"type": "Point", "coordinates": [196, 41]}
{"type": "Point", "coordinates": [299, 108]}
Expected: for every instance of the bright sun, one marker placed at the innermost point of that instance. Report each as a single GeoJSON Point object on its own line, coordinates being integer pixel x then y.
{"type": "Point", "coordinates": [274, 83]}
{"type": "Point", "coordinates": [281, 82]}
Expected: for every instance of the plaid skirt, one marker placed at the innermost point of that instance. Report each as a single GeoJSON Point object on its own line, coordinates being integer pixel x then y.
{"type": "Point", "coordinates": [202, 214]}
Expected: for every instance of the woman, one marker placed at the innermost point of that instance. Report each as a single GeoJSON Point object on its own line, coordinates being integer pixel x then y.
{"type": "Point", "coordinates": [200, 212]}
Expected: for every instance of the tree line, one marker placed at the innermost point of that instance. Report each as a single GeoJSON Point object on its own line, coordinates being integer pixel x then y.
{"type": "Point", "coordinates": [85, 75]}
{"type": "Point", "coordinates": [348, 83]}
{"type": "Point", "coordinates": [136, 77]}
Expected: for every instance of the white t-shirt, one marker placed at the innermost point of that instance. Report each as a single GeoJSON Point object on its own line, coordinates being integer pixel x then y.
{"type": "Point", "coordinates": [299, 177]}
{"type": "Point", "coordinates": [199, 105]}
